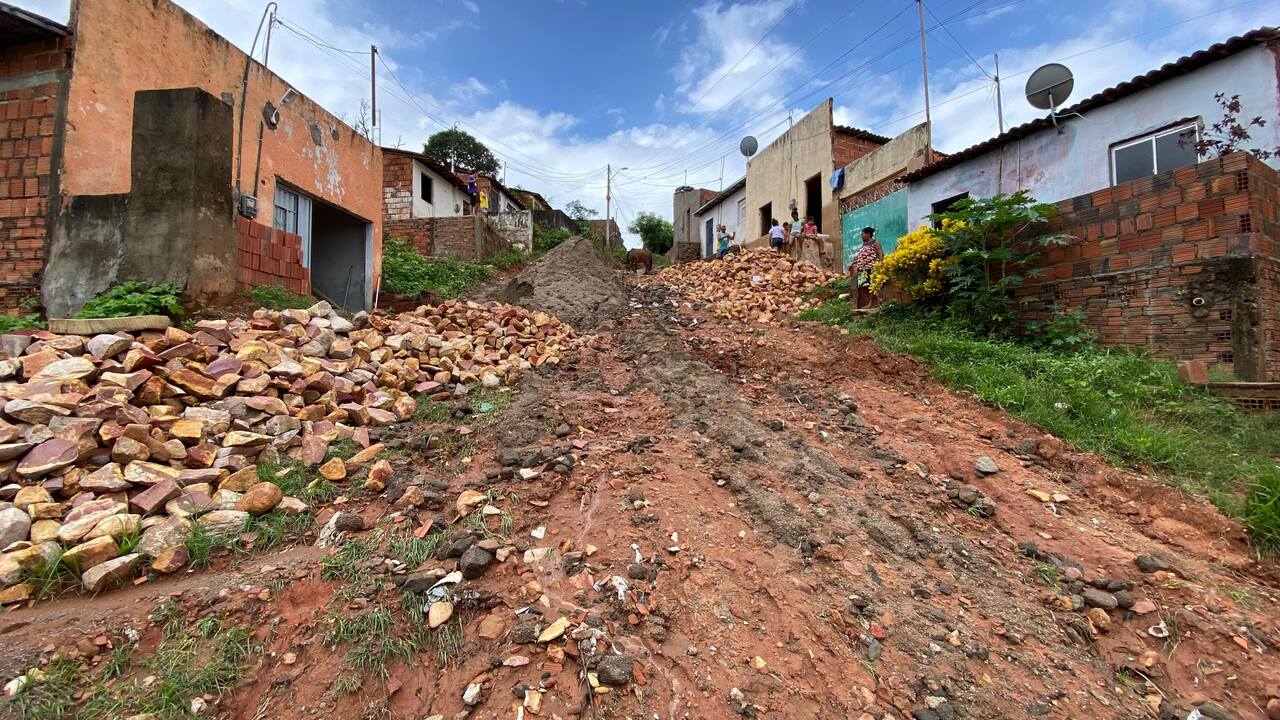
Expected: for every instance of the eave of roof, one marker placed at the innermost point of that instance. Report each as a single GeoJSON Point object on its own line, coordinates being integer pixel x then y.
{"type": "Point", "coordinates": [720, 196]}
{"type": "Point", "coordinates": [18, 26]}
{"type": "Point", "coordinates": [1181, 66]}
{"type": "Point", "coordinates": [430, 162]}
{"type": "Point", "coordinates": [861, 134]}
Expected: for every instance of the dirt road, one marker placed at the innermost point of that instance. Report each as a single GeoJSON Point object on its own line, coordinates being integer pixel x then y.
{"type": "Point", "coordinates": [779, 522]}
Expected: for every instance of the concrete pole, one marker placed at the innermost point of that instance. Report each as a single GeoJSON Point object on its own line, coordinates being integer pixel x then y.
{"type": "Point", "coordinates": [608, 199]}
{"type": "Point", "coordinates": [924, 65]}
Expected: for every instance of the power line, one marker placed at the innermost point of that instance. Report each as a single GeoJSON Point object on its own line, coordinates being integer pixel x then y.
{"type": "Point", "coordinates": [957, 42]}
{"type": "Point", "coordinates": [299, 29]}
{"type": "Point", "coordinates": [767, 33]}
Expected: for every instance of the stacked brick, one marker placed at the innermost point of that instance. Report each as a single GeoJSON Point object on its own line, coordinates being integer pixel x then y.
{"type": "Point", "coordinates": [267, 256]}
{"type": "Point", "coordinates": [27, 121]}
{"type": "Point", "coordinates": [1183, 263]}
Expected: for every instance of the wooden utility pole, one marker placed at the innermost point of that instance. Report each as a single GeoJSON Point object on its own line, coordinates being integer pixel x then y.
{"type": "Point", "coordinates": [924, 65]}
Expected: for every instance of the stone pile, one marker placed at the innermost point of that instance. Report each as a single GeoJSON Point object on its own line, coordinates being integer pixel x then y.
{"type": "Point", "coordinates": [125, 441]}
{"type": "Point", "coordinates": [756, 285]}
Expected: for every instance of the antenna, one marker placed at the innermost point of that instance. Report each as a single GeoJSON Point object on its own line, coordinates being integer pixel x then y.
{"type": "Point", "coordinates": [1049, 87]}
{"type": "Point", "coordinates": [748, 146]}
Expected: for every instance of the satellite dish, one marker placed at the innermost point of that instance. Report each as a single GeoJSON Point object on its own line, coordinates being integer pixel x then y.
{"type": "Point", "coordinates": [748, 146]}
{"type": "Point", "coordinates": [1050, 86]}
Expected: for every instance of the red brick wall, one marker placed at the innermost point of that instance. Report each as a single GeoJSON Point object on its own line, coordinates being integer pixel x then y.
{"type": "Point", "coordinates": [27, 122]}
{"type": "Point", "coordinates": [267, 256]}
{"type": "Point", "coordinates": [1183, 263]}
{"type": "Point", "coordinates": [397, 188]}
{"type": "Point", "coordinates": [449, 236]}
{"type": "Point", "coordinates": [847, 148]}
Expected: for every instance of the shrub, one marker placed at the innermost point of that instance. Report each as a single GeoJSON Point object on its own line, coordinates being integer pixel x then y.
{"type": "Point", "coordinates": [407, 272]}
{"type": "Point", "coordinates": [544, 240]}
{"type": "Point", "coordinates": [1064, 330]}
{"type": "Point", "coordinates": [135, 297]}
{"type": "Point", "coordinates": [509, 258]}
{"type": "Point", "coordinates": [917, 265]}
{"type": "Point", "coordinates": [278, 297]}
{"type": "Point", "coordinates": [9, 323]}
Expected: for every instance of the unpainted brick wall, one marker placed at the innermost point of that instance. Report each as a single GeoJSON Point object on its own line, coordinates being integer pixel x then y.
{"type": "Point", "coordinates": [449, 236]}
{"type": "Point", "coordinates": [267, 256]}
{"type": "Point", "coordinates": [27, 122]}
{"type": "Point", "coordinates": [1182, 263]}
{"type": "Point", "coordinates": [847, 148]}
{"type": "Point", "coordinates": [397, 188]}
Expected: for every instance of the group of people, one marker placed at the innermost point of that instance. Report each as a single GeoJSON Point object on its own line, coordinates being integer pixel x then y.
{"type": "Point", "coordinates": [791, 235]}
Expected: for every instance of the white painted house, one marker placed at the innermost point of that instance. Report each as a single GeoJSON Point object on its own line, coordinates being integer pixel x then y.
{"type": "Point", "coordinates": [436, 191]}
{"type": "Point", "coordinates": [1141, 127]}
{"type": "Point", "coordinates": [728, 207]}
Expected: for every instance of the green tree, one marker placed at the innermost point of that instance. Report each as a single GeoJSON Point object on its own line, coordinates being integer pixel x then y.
{"type": "Point", "coordinates": [582, 215]}
{"type": "Point", "coordinates": [656, 233]}
{"type": "Point", "coordinates": [462, 150]}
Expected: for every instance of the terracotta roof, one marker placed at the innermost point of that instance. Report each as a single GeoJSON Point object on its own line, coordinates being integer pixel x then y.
{"type": "Point", "coordinates": [17, 26]}
{"type": "Point", "coordinates": [440, 168]}
{"type": "Point", "coordinates": [1181, 66]}
{"type": "Point", "coordinates": [860, 134]}
{"type": "Point", "coordinates": [720, 196]}
{"type": "Point", "coordinates": [530, 198]}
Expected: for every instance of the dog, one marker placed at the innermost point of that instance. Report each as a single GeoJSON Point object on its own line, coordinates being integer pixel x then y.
{"type": "Point", "coordinates": [639, 257]}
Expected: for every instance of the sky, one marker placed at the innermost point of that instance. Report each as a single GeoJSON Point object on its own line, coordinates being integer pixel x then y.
{"type": "Point", "coordinates": [559, 89]}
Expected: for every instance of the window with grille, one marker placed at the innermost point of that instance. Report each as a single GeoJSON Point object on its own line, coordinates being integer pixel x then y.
{"type": "Point", "coordinates": [1158, 152]}
{"type": "Point", "coordinates": [286, 216]}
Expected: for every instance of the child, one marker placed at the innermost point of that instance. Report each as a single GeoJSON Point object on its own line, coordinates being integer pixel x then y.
{"type": "Point", "coordinates": [810, 227]}
{"type": "Point", "coordinates": [775, 235]}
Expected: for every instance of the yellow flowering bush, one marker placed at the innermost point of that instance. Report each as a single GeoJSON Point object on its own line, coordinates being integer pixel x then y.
{"type": "Point", "coordinates": [918, 265]}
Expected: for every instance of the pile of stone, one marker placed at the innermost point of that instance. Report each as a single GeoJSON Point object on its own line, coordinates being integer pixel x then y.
{"type": "Point", "coordinates": [756, 285]}
{"type": "Point", "coordinates": [125, 441]}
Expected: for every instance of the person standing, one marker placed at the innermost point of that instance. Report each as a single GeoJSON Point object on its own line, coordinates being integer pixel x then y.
{"type": "Point", "coordinates": [864, 263]}
{"type": "Point", "coordinates": [776, 235]}
{"type": "Point", "coordinates": [724, 239]}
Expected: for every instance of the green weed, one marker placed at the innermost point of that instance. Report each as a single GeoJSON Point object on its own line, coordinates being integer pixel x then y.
{"type": "Point", "coordinates": [134, 297]}
{"type": "Point", "coordinates": [278, 297]}
{"type": "Point", "coordinates": [407, 272]}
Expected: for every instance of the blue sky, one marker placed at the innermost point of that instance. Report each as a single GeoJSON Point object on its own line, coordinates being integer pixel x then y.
{"type": "Point", "coordinates": [559, 88]}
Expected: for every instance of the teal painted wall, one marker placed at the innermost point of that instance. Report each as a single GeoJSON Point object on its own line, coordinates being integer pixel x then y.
{"type": "Point", "coordinates": [888, 216]}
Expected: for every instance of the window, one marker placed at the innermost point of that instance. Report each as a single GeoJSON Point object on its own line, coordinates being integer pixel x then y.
{"type": "Point", "coordinates": [742, 215]}
{"type": "Point", "coordinates": [944, 205]}
{"type": "Point", "coordinates": [286, 217]}
{"type": "Point", "coordinates": [1167, 149]}
{"type": "Point", "coordinates": [425, 191]}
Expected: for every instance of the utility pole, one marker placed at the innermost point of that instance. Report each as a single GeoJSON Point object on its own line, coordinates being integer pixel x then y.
{"type": "Point", "coordinates": [999, 99]}
{"type": "Point", "coordinates": [608, 199]}
{"type": "Point", "coordinates": [373, 84]}
{"type": "Point", "coordinates": [924, 65]}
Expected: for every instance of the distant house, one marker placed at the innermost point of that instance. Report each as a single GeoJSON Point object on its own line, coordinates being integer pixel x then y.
{"type": "Point", "coordinates": [598, 227]}
{"type": "Point", "coordinates": [141, 145]}
{"type": "Point", "coordinates": [729, 208]}
{"type": "Point", "coordinates": [1173, 252]}
{"type": "Point", "coordinates": [418, 186]}
{"type": "Point", "coordinates": [530, 199]}
{"type": "Point", "coordinates": [687, 241]}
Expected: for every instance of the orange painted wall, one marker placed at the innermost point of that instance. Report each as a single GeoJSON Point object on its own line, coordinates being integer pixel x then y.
{"type": "Point", "coordinates": [122, 46]}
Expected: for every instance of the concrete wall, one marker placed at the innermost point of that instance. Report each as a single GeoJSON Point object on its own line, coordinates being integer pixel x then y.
{"type": "Point", "coordinates": [777, 174]}
{"type": "Point", "coordinates": [1054, 166]}
{"type": "Point", "coordinates": [174, 225]}
{"type": "Point", "coordinates": [902, 154]}
{"type": "Point", "coordinates": [31, 78]}
{"type": "Point", "coordinates": [725, 212]}
{"type": "Point", "coordinates": [515, 226]}
{"type": "Point", "coordinates": [126, 46]}
{"type": "Point", "coordinates": [448, 199]}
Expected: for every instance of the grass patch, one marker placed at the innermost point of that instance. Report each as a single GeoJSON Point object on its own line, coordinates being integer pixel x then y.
{"type": "Point", "coordinates": [278, 528]}
{"type": "Point", "coordinates": [410, 549]}
{"type": "Point", "coordinates": [278, 297]}
{"type": "Point", "coordinates": [1125, 406]}
{"type": "Point", "coordinates": [204, 658]}
{"type": "Point", "coordinates": [509, 258]}
{"type": "Point", "coordinates": [432, 411]}
{"type": "Point", "coordinates": [297, 480]}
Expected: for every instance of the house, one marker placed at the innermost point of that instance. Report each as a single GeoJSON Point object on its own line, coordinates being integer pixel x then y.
{"type": "Point", "coordinates": [796, 170]}
{"type": "Point", "coordinates": [1173, 251]}
{"type": "Point", "coordinates": [727, 207]}
{"type": "Point", "coordinates": [531, 200]}
{"type": "Point", "coordinates": [427, 205]}
{"type": "Point", "coordinates": [206, 170]}
{"type": "Point", "coordinates": [687, 235]}
{"type": "Point", "coordinates": [494, 197]}
{"type": "Point", "coordinates": [873, 196]}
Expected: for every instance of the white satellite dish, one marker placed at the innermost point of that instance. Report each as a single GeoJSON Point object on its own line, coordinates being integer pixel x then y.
{"type": "Point", "coordinates": [1049, 87]}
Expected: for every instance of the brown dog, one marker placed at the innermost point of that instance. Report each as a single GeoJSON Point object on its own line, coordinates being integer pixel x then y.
{"type": "Point", "coordinates": [639, 257]}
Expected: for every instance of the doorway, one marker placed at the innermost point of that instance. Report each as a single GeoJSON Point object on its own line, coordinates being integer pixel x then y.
{"type": "Point", "coordinates": [813, 199]}
{"type": "Point", "coordinates": [338, 257]}
{"type": "Point", "coordinates": [766, 218]}
{"type": "Point", "coordinates": [711, 229]}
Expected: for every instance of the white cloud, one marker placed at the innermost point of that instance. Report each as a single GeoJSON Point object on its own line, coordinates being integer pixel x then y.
{"type": "Point", "coordinates": [469, 89]}
{"type": "Point", "coordinates": [715, 70]}
{"type": "Point", "coordinates": [472, 6]}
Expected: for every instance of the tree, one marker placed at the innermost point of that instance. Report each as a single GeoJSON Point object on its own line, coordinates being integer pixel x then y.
{"type": "Point", "coordinates": [581, 216]}
{"type": "Point", "coordinates": [655, 232]}
{"type": "Point", "coordinates": [461, 150]}
{"type": "Point", "coordinates": [1229, 134]}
